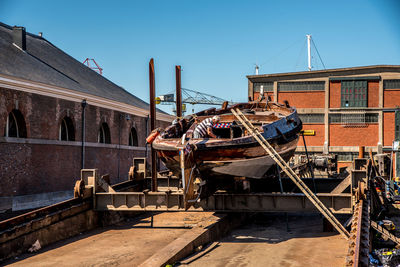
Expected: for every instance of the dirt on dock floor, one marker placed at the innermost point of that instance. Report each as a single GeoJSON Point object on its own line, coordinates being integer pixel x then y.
{"type": "Point", "coordinates": [125, 244]}
{"type": "Point", "coordinates": [266, 242]}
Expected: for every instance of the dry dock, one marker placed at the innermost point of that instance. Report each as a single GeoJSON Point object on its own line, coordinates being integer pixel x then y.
{"type": "Point", "coordinates": [266, 242]}
{"type": "Point", "coordinates": [262, 241]}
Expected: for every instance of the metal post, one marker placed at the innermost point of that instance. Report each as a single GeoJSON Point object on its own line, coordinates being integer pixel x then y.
{"type": "Point", "coordinates": [361, 150]}
{"type": "Point", "coordinates": [119, 144]}
{"type": "Point", "coordinates": [178, 91]}
{"type": "Point", "coordinates": [279, 176]}
{"type": "Point", "coordinates": [309, 165]}
{"type": "Point", "coordinates": [83, 104]}
{"type": "Point", "coordinates": [152, 124]}
{"type": "Point", "coordinates": [309, 51]}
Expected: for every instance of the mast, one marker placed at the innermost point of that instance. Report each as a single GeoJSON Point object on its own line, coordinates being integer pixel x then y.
{"type": "Point", "coordinates": [309, 51]}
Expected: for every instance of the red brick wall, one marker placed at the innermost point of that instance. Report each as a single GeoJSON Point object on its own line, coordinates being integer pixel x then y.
{"type": "Point", "coordinates": [353, 136]}
{"type": "Point", "coordinates": [318, 139]}
{"type": "Point", "coordinates": [334, 94]}
{"type": "Point", "coordinates": [303, 99]}
{"type": "Point", "coordinates": [373, 94]}
{"type": "Point", "coordinates": [391, 98]}
{"type": "Point", "coordinates": [388, 128]}
{"type": "Point", "coordinates": [38, 168]}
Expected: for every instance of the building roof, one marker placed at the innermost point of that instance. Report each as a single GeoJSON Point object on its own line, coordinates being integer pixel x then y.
{"type": "Point", "coordinates": [327, 73]}
{"type": "Point", "coordinates": [45, 63]}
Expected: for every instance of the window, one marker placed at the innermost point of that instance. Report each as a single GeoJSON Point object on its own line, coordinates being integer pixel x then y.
{"type": "Point", "coordinates": [354, 94]}
{"type": "Point", "coordinates": [67, 131]}
{"type": "Point", "coordinates": [133, 139]}
{"type": "Point", "coordinates": [391, 84]}
{"type": "Point", "coordinates": [104, 134]}
{"type": "Point", "coordinates": [371, 117]}
{"type": "Point", "coordinates": [346, 156]}
{"type": "Point", "coordinates": [15, 126]}
{"type": "Point", "coordinates": [267, 87]}
{"type": "Point", "coordinates": [356, 118]}
{"type": "Point", "coordinates": [312, 118]}
{"type": "Point", "coordinates": [301, 86]}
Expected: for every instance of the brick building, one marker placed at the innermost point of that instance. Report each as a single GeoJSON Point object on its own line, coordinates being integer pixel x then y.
{"type": "Point", "coordinates": [43, 92]}
{"type": "Point", "coordinates": [346, 108]}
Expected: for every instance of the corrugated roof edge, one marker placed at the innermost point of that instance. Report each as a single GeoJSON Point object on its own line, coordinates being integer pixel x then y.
{"type": "Point", "coordinates": [395, 67]}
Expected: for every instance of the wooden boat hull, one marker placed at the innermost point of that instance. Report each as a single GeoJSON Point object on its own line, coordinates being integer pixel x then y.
{"type": "Point", "coordinates": [238, 157]}
{"type": "Point", "coordinates": [251, 168]}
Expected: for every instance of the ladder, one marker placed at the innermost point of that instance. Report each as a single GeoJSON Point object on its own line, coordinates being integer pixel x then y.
{"type": "Point", "coordinates": [292, 175]}
{"type": "Point", "coordinates": [385, 232]}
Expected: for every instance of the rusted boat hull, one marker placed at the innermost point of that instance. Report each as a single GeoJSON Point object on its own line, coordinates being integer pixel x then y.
{"type": "Point", "coordinates": [249, 161]}
{"type": "Point", "coordinates": [251, 168]}
{"type": "Point", "coordinates": [240, 155]}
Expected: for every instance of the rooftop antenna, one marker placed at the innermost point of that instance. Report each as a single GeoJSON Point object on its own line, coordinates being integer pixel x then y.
{"type": "Point", "coordinates": [94, 66]}
{"type": "Point", "coordinates": [309, 51]}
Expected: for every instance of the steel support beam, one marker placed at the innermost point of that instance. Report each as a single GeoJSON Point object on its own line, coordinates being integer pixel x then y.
{"type": "Point", "coordinates": [256, 202]}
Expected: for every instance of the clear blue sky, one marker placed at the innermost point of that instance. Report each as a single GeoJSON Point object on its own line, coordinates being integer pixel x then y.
{"type": "Point", "coordinates": [217, 43]}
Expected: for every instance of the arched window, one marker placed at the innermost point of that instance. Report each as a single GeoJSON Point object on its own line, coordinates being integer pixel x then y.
{"type": "Point", "coordinates": [15, 126]}
{"type": "Point", "coordinates": [133, 139]}
{"type": "Point", "coordinates": [104, 134]}
{"type": "Point", "coordinates": [67, 131]}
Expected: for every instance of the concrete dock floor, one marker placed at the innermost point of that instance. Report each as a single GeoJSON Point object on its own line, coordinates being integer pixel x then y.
{"type": "Point", "coordinates": [266, 242]}
{"type": "Point", "coordinates": [262, 242]}
{"type": "Point", "coordinates": [126, 244]}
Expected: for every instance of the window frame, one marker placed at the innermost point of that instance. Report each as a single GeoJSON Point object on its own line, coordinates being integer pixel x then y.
{"type": "Point", "coordinates": [354, 94]}
{"type": "Point", "coordinates": [303, 86]}
{"type": "Point", "coordinates": [20, 124]}
{"type": "Point", "coordinates": [131, 139]}
{"type": "Point", "coordinates": [105, 131]}
{"type": "Point", "coordinates": [69, 129]}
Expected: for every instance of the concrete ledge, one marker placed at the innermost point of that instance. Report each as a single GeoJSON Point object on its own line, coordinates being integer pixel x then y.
{"type": "Point", "coordinates": [27, 202]}
{"type": "Point", "coordinates": [187, 243]}
{"type": "Point", "coordinates": [48, 229]}
{"type": "Point", "coordinates": [40, 200]}
{"type": "Point", "coordinates": [66, 143]}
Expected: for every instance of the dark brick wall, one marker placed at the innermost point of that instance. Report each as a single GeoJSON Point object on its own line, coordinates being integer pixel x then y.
{"type": "Point", "coordinates": [38, 168]}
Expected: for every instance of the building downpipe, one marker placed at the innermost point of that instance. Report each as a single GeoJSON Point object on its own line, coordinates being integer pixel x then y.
{"type": "Point", "coordinates": [83, 104]}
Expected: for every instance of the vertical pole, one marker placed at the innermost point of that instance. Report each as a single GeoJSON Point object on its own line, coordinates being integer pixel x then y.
{"type": "Point", "coordinates": [152, 124]}
{"type": "Point", "coordinates": [119, 144]}
{"type": "Point", "coordinates": [361, 150]}
{"type": "Point", "coordinates": [83, 104]}
{"type": "Point", "coordinates": [309, 51]}
{"type": "Point", "coordinates": [178, 92]}
{"type": "Point", "coordinates": [309, 164]}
